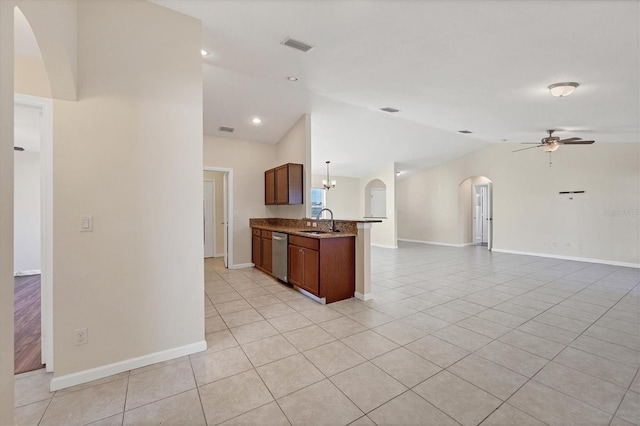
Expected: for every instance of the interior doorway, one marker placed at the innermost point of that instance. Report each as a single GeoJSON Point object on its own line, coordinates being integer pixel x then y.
{"type": "Point", "coordinates": [481, 214]}
{"type": "Point", "coordinates": [217, 217]}
{"type": "Point", "coordinates": [209, 213]}
{"type": "Point", "coordinates": [33, 233]}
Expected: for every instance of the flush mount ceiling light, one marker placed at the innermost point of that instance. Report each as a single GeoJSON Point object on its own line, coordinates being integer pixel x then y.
{"type": "Point", "coordinates": [563, 89]}
{"type": "Point", "coordinates": [328, 183]}
{"type": "Point", "coordinates": [466, 132]}
{"type": "Point", "coordinates": [226, 129]}
{"type": "Point", "coordinates": [389, 109]}
{"type": "Point", "coordinates": [18, 148]}
{"type": "Point", "coordinates": [205, 53]}
{"type": "Point", "coordinates": [256, 120]}
{"type": "Point", "coordinates": [292, 78]}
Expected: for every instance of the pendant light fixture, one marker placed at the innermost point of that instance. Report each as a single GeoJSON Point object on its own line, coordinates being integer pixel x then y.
{"type": "Point", "coordinates": [328, 183]}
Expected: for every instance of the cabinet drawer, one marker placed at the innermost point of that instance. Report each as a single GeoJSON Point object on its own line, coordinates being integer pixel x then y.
{"type": "Point", "coordinates": [266, 234]}
{"type": "Point", "coordinates": [310, 243]}
{"type": "Point", "coordinates": [255, 232]}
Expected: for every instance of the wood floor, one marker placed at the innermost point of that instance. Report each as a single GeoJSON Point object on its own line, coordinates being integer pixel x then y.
{"type": "Point", "coordinates": [27, 323]}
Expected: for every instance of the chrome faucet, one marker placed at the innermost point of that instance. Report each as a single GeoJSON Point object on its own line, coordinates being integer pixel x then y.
{"type": "Point", "coordinates": [331, 227]}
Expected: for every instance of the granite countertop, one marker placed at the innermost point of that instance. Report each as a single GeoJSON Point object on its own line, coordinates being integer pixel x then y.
{"type": "Point", "coordinates": [298, 231]}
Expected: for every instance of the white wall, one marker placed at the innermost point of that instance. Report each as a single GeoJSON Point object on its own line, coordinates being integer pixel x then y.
{"type": "Point", "coordinates": [218, 178]}
{"type": "Point", "coordinates": [27, 247]}
{"type": "Point", "coordinates": [344, 199]}
{"type": "Point", "coordinates": [382, 234]}
{"type": "Point", "coordinates": [295, 147]}
{"type": "Point", "coordinates": [248, 160]}
{"type": "Point", "coordinates": [528, 213]}
{"type": "Point", "coordinates": [6, 213]}
{"type": "Point", "coordinates": [31, 77]}
{"type": "Point", "coordinates": [129, 153]}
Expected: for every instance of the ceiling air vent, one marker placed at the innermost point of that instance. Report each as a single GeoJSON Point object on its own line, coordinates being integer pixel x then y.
{"type": "Point", "coordinates": [466, 132]}
{"type": "Point", "coordinates": [226, 129]}
{"type": "Point", "coordinates": [389, 109]}
{"type": "Point", "coordinates": [304, 47]}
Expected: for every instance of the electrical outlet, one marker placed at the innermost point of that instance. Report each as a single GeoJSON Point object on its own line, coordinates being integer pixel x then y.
{"type": "Point", "coordinates": [81, 336]}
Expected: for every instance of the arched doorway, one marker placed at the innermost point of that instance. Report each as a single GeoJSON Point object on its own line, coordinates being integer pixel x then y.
{"type": "Point", "coordinates": [375, 199]}
{"type": "Point", "coordinates": [33, 209]}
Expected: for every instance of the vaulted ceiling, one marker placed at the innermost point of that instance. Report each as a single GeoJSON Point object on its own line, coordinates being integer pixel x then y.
{"type": "Point", "coordinates": [482, 66]}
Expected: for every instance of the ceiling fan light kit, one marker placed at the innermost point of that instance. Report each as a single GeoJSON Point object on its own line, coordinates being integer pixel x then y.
{"type": "Point", "coordinates": [552, 143]}
{"type": "Point", "coordinates": [560, 90]}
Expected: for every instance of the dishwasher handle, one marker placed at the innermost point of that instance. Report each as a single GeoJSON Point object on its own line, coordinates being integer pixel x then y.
{"type": "Point", "coordinates": [278, 238]}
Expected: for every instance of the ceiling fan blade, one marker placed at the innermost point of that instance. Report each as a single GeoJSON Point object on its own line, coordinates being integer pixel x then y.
{"type": "Point", "coordinates": [523, 149]}
{"type": "Point", "coordinates": [577, 142]}
{"type": "Point", "coordinates": [569, 139]}
{"type": "Point", "coordinates": [530, 143]}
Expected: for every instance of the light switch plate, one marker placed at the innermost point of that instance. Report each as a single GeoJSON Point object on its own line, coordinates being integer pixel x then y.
{"type": "Point", "coordinates": [86, 223]}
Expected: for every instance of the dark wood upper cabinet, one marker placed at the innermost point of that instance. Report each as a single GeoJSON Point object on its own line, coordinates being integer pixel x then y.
{"type": "Point", "coordinates": [270, 187]}
{"type": "Point", "coordinates": [284, 185]}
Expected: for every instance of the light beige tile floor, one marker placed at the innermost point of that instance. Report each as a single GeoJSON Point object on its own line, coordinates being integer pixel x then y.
{"type": "Point", "coordinates": [451, 336]}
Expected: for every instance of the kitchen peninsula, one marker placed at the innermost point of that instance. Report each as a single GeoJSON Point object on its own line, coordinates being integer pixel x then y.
{"type": "Point", "coordinates": [327, 265]}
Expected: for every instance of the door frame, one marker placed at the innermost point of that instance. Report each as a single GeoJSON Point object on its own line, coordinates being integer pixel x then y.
{"type": "Point", "coordinates": [214, 221]}
{"type": "Point", "coordinates": [489, 218]}
{"type": "Point", "coordinates": [227, 188]}
{"type": "Point", "coordinates": [46, 221]}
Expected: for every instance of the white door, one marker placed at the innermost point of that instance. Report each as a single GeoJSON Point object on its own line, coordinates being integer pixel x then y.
{"type": "Point", "coordinates": [209, 216]}
{"type": "Point", "coordinates": [489, 218]}
{"type": "Point", "coordinates": [378, 202]}
{"type": "Point", "coordinates": [225, 220]}
{"type": "Point", "coordinates": [481, 222]}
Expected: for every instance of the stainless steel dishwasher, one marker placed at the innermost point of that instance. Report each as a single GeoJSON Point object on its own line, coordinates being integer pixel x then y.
{"type": "Point", "coordinates": [280, 255]}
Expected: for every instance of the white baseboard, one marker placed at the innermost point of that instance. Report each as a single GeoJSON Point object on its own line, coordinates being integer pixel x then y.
{"type": "Point", "coordinates": [577, 259]}
{"type": "Point", "coordinates": [85, 376]}
{"type": "Point", "coordinates": [242, 266]}
{"type": "Point", "coordinates": [219, 255]}
{"type": "Point", "coordinates": [384, 246]}
{"type": "Point", "coordinates": [25, 273]}
{"type": "Point", "coordinates": [435, 243]}
{"type": "Point", "coordinates": [363, 297]}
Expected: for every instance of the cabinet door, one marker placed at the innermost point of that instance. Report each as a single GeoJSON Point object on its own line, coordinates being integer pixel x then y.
{"type": "Point", "coordinates": [266, 254]}
{"type": "Point", "coordinates": [255, 251]}
{"type": "Point", "coordinates": [296, 265]}
{"type": "Point", "coordinates": [269, 187]}
{"type": "Point", "coordinates": [311, 271]}
{"type": "Point", "coordinates": [282, 184]}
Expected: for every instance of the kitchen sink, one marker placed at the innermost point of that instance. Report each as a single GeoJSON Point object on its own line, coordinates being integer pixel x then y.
{"type": "Point", "coordinates": [314, 232]}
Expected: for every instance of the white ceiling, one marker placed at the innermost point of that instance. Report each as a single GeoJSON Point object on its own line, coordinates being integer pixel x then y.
{"type": "Point", "coordinates": [482, 66]}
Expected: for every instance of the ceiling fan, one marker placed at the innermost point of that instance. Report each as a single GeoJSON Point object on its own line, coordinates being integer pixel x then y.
{"type": "Point", "coordinates": [551, 143]}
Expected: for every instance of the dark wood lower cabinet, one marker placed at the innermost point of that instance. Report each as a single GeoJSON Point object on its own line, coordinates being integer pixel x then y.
{"type": "Point", "coordinates": [261, 250]}
{"type": "Point", "coordinates": [325, 267]}
{"type": "Point", "coordinates": [303, 268]}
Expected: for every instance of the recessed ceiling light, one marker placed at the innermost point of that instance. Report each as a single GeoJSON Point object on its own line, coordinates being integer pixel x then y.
{"type": "Point", "coordinates": [226, 129]}
{"type": "Point", "coordinates": [256, 120]}
{"type": "Point", "coordinates": [292, 78]}
{"type": "Point", "coordinates": [563, 89]}
{"type": "Point", "coordinates": [205, 53]}
{"type": "Point", "coordinates": [398, 173]}
{"type": "Point", "coordinates": [389, 109]}
{"type": "Point", "coordinates": [466, 132]}
{"type": "Point", "coordinates": [18, 148]}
